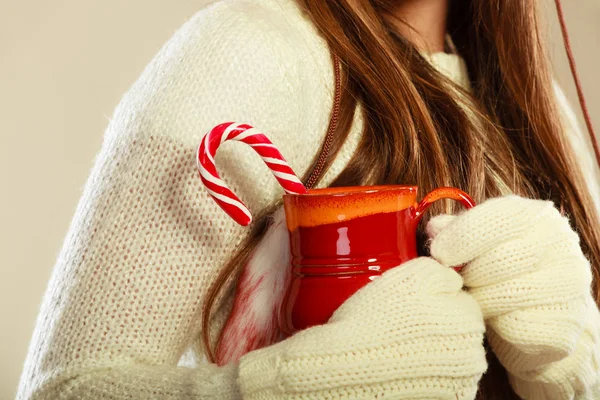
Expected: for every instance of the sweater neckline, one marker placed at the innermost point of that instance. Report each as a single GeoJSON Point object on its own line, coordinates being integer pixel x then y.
{"type": "Point", "coordinates": [452, 65]}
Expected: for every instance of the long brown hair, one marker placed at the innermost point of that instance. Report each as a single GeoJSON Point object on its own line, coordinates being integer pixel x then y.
{"type": "Point", "coordinates": [504, 135]}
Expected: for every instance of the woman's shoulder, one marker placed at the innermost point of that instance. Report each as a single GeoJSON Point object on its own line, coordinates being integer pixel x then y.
{"type": "Point", "coordinates": [581, 143]}
{"type": "Point", "coordinates": [253, 61]}
{"type": "Point", "coordinates": [257, 62]}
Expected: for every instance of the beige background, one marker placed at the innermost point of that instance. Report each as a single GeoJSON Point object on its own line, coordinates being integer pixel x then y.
{"type": "Point", "coordinates": [64, 65]}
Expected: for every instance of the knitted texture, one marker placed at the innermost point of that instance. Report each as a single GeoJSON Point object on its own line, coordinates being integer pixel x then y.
{"type": "Point", "coordinates": [120, 318]}
{"type": "Point", "coordinates": [146, 239]}
{"type": "Point", "coordinates": [410, 334]}
{"type": "Point", "coordinates": [525, 268]}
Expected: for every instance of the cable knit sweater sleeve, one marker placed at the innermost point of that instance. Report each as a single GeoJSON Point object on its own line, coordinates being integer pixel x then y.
{"type": "Point", "coordinates": [124, 299]}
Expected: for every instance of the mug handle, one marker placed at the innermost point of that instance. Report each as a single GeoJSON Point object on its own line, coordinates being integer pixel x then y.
{"type": "Point", "coordinates": [439, 194]}
{"type": "Point", "coordinates": [443, 193]}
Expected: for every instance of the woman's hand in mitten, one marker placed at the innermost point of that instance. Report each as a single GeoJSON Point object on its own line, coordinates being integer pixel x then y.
{"type": "Point", "coordinates": [411, 333]}
{"type": "Point", "coordinates": [525, 268]}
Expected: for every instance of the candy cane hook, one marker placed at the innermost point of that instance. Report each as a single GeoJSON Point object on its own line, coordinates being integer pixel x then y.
{"type": "Point", "coordinates": [245, 133]}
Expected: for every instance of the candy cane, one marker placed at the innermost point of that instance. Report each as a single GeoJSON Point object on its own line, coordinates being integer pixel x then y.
{"type": "Point", "coordinates": [245, 133]}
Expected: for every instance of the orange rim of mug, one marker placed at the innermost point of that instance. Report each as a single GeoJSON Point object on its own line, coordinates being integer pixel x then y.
{"type": "Point", "coordinates": [331, 205]}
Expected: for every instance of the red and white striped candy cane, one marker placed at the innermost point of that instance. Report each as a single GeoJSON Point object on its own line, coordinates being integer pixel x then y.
{"type": "Point", "coordinates": [245, 133]}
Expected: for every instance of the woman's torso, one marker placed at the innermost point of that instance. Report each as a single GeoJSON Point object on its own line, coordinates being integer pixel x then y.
{"type": "Point", "coordinates": [309, 76]}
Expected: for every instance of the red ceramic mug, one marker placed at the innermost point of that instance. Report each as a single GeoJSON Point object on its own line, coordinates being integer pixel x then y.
{"type": "Point", "coordinates": [342, 238]}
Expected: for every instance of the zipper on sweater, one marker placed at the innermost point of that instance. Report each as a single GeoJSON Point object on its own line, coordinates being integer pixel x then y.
{"type": "Point", "coordinates": [333, 121]}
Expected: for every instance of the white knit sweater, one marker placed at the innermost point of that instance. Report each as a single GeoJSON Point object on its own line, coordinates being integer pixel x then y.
{"type": "Point", "coordinates": [121, 314]}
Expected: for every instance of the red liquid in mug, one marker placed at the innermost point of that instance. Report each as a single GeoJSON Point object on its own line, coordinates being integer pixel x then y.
{"type": "Point", "coordinates": [332, 261]}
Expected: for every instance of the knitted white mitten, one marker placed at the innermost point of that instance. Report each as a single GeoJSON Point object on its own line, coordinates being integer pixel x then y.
{"type": "Point", "coordinates": [526, 270]}
{"type": "Point", "coordinates": [410, 334]}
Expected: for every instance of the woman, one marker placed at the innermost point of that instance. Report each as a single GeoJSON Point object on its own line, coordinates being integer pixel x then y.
{"type": "Point", "coordinates": [150, 261]}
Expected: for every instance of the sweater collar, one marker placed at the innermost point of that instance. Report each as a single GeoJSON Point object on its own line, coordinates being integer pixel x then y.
{"type": "Point", "coordinates": [450, 64]}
